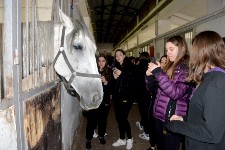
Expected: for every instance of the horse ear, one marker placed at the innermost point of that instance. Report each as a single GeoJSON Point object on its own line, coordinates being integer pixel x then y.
{"type": "Point", "coordinates": [65, 20]}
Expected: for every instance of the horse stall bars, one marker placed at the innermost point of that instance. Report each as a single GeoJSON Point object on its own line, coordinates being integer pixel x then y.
{"type": "Point", "coordinates": [32, 115]}
{"type": "Point", "coordinates": [41, 90]}
{"type": "Point", "coordinates": [30, 108]}
{"type": "Point", "coordinates": [37, 50]}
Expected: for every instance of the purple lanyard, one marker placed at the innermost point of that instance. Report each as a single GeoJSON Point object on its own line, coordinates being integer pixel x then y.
{"type": "Point", "coordinates": [211, 70]}
{"type": "Point", "coordinates": [217, 69]}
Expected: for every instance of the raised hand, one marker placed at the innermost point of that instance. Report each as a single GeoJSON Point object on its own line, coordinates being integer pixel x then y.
{"type": "Point", "coordinates": [175, 117]}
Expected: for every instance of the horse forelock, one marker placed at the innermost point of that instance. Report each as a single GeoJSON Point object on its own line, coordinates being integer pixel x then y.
{"type": "Point", "coordinates": [84, 55]}
{"type": "Point", "coordinates": [81, 36]}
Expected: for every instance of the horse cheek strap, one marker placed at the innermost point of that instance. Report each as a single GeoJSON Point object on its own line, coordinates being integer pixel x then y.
{"type": "Point", "coordinates": [73, 71]}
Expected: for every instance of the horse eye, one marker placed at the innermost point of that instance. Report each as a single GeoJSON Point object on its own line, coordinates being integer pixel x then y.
{"type": "Point", "coordinates": [78, 47]}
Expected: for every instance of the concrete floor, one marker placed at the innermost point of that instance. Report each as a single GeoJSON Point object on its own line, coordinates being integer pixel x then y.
{"type": "Point", "coordinates": [113, 133]}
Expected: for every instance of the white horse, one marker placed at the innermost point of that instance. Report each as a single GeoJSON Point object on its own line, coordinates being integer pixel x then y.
{"type": "Point", "coordinates": [75, 60]}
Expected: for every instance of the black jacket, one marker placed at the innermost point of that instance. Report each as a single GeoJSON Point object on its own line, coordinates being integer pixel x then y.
{"type": "Point", "coordinates": [205, 126]}
{"type": "Point", "coordinates": [107, 89]}
{"type": "Point", "coordinates": [140, 72]}
{"type": "Point", "coordinates": [123, 86]}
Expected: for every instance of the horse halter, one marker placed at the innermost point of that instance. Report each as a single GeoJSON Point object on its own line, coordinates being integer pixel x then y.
{"type": "Point", "coordinates": [74, 73]}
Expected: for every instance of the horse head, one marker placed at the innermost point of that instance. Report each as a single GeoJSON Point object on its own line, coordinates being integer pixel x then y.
{"type": "Point", "coordinates": [75, 60]}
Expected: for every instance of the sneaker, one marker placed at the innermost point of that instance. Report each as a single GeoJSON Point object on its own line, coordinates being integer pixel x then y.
{"type": "Point", "coordinates": [105, 134]}
{"type": "Point", "coordinates": [95, 135]}
{"type": "Point", "coordinates": [129, 144]}
{"type": "Point", "coordinates": [102, 140]}
{"type": "Point", "coordinates": [138, 124]}
{"type": "Point", "coordinates": [88, 145]}
{"type": "Point", "coordinates": [135, 103]}
{"type": "Point", "coordinates": [144, 136]}
{"type": "Point", "coordinates": [151, 148]}
{"type": "Point", "coordinates": [119, 142]}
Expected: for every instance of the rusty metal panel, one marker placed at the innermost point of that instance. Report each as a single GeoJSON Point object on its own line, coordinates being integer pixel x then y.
{"type": "Point", "coordinates": [42, 121]}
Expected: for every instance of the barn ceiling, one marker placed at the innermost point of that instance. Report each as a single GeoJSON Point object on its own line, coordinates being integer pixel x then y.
{"type": "Point", "coordinates": [111, 17]}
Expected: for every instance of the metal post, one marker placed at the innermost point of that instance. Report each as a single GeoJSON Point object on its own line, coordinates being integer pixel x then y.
{"type": "Point", "coordinates": [12, 20]}
{"type": "Point", "coordinates": [9, 44]}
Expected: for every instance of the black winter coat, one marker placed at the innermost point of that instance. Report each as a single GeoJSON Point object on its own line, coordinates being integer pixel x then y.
{"type": "Point", "coordinates": [123, 86]}
{"type": "Point", "coordinates": [107, 89]}
{"type": "Point", "coordinates": [205, 126]}
{"type": "Point", "coordinates": [141, 90]}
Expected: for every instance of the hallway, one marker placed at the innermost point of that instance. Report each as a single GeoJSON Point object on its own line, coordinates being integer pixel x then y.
{"type": "Point", "coordinates": [113, 133]}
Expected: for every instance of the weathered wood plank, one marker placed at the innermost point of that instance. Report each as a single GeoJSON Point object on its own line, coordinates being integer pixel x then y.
{"type": "Point", "coordinates": [42, 121]}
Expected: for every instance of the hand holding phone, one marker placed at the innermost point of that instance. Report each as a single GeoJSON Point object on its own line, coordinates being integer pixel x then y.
{"type": "Point", "coordinates": [152, 65]}
{"type": "Point", "coordinates": [153, 60]}
{"type": "Point", "coordinates": [113, 69]}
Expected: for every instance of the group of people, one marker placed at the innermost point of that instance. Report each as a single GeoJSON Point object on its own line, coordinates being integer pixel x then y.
{"type": "Point", "coordinates": [117, 81]}
{"type": "Point", "coordinates": [146, 95]}
{"type": "Point", "coordinates": [180, 97]}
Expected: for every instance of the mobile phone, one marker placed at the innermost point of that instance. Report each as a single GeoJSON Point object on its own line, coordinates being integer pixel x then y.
{"type": "Point", "coordinates": [114, 68]}
{"type": "Point", "coordinates": [153, 60]}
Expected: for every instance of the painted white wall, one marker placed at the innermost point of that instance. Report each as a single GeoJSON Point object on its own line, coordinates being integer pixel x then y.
{"type": "Point", "coordinates": [44, 10]}
{"type": "Point", "coordinates": [8, 129]}
{"type": "Point", "coordinates": [159, 48]}
{"type": "Point", "coordinates": [214, 25]}
{"type": "Point", "coordinates": [174, 7]}
{"type": "Point", "coordinates": [162, 26]}
{"type": "Point", "coordinates": [136, 52]}
{"type": "Point", "coordinates": [214, 5]}
{"type": "Point", "coordinates": [1, 11]}
{"type": "Point", "coordinates": [132, 42]}
{"type": "Point", "coordinates": [147, 34]}
{"type": "Point", "coordinates": [177, 13]}
{"type": "Point", "coordinates": [86, 17]}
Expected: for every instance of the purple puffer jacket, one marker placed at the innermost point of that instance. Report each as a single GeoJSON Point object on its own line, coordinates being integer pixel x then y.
{"type": "Point", "coordinates": [175, 89]}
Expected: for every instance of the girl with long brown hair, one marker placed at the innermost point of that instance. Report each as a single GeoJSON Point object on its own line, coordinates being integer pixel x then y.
{"type": "Point", "coordinates": [123, 73]}
{"type": "Point", "coordinates": [98, 117]}
{"type": "Point", "coordinates": [171, 93]}
{"type": "Point", "coordinates": [205, 126]}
